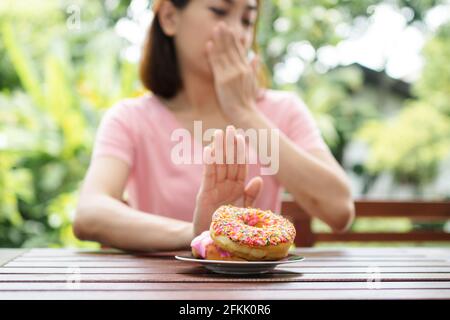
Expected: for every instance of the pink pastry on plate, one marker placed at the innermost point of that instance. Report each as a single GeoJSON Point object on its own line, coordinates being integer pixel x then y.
{"type": "Point", "coordinates": [203, 247]}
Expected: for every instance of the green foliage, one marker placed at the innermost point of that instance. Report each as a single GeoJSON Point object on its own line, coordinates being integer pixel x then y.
{"type": "Point", "coordinates": [413, 143]}
{"type": "Point", "coordinates": [55, 83]}
{"type": "Point", "coordinates": [337, 111]}
{"type": "Point", "coordinates": [434, 86]}
{"type": "Point", "coordinates": [48, 123]}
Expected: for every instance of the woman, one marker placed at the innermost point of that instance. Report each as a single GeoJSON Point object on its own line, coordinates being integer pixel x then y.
{"type": "Point", "coordinates": [195, 64]}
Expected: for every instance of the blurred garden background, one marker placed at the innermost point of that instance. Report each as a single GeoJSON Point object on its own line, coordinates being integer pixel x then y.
{"type": "Point", "coordinates": [375, 74]}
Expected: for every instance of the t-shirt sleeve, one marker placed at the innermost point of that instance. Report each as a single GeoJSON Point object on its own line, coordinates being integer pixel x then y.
{"type": "Point", "coordinates": [302, 127]}
{"type": "Point", "coordinates": [114, 136]}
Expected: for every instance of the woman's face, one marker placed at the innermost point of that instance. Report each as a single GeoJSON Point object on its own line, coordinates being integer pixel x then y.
{"type": "Point", "coordinates": [196, 24]}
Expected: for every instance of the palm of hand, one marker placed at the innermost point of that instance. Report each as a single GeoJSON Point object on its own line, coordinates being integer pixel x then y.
{"type": "Point", "coordinates": [224, 178]}
{"type": "Point", "coordinates": [225, 189]}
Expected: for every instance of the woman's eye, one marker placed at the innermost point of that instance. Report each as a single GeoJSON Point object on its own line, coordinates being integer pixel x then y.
{"type": "Point", "coordinates": [218, 11]}
{"type": "Point", "coordinates": [247, 23]}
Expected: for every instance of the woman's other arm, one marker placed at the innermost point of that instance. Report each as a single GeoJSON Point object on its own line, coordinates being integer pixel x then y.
{"type": "Point", "coordinates": [102, 216]}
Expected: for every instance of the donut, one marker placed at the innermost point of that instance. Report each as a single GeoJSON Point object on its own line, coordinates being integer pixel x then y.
{"type": "Point", "coordinates": [251, 234]}
{"type": "Point", "coordinates": [203, 247]}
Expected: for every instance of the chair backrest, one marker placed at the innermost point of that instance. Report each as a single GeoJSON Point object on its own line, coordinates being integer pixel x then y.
{"type": "Point", "coordinates": [417, 210]}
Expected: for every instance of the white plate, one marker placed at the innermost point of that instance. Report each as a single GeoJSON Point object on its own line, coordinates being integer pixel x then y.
{"type": "Point", "coordinates": [241, 267]}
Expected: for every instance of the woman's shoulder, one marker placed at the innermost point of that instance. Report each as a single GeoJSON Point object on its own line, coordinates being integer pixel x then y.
{"type": "Point", "coordinates": [281, 102]}
{"type": "Point", "coordinates": [133, 115]}
{"type": "Point", "coordinates": [133, 106]}
{"type": "Point", "coordinates": [136, 113]}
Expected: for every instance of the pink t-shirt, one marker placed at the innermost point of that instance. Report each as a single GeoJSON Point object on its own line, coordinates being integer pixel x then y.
{"type": "Point", "coordinates": [138, 131]}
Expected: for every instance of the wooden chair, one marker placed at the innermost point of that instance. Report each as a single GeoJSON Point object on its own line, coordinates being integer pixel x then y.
{"type": "Point", "coordinates": [417, 210]}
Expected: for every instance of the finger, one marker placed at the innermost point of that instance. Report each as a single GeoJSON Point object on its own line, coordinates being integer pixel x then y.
{"type": "Point", "coordinates": [232, 50]}
{"type": "Point", "coordinates": [239, 48]}
{"type": "Point", "coordinates": [231, 152]}
{"type": "Point", "coordinates": [220, 37]}
{"type": "Point", "coordinates": [255, 63]}
{"type": "Point", "coordinates": [227, 34]}
{"type": "Point", "coordinates": [242, 173]}
{"type": "Point", "coordinates": [207, 155]}
{"type": "Point", "coordinates": [252, 191]}
{"type": "Point", "coordinates": [209, 170]}
{"type": "Point", "coordinates": [242, 159]}
{"type": "Point", "coordinates": [221, 167]}
{"type": "Point", "coordinates": [210, 51]}
{"type": "Point", "coordinates": [219, 47]}
{"type": "Point", "coordinates": [230, 134]}
{"type": "Point", "coordinates": [218, 146]}
{"type": "Point", "coordinates": [217, 62]}
{"type": "Point", "coordinates": [240, 150]}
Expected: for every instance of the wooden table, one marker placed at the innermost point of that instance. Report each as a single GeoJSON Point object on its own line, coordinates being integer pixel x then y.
{"type": "Point", "coordinates": [352, 273]}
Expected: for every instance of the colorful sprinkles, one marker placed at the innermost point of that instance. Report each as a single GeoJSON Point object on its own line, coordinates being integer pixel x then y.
{"type": "Point", "coordinates": [251, 226]}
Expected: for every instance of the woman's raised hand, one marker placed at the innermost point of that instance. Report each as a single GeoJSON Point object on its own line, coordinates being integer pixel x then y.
{"type": "Point", "coordinates": [224, 174]}
{"type": "Point", "coordinates": [235, 78]}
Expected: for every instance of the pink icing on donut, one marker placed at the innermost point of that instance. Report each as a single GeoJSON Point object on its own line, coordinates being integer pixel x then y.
{"type": "Point", "coordinates": [202, 241]}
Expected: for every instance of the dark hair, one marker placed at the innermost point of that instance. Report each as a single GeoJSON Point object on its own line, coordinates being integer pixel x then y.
{"type": "Point", "coordinates": [159, 71]}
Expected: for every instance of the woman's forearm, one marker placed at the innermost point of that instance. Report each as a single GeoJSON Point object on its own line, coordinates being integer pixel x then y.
{"type": "Point", "coordinates": [106, 220]}
{"type": "Point", "coordinates": [322, 190]}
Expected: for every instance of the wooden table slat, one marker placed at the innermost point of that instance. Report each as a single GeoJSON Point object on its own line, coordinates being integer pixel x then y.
{"type": "Point", "coordinates": [144, 264]}
{"type": "Point", "coordinates": [182, 268]}
{"type": "Point", "coordinates": [62, 260]}
{"type": "Point", "coordinates": [164, 260]}
{"type": "Point", "coordinates": [52, 286]}
{"type": "Point", "coordinates": [210, 277]}
{"type": "Point", "coordinates": [326, 273]}
{"type": "Point", "coordinates": [232, 295]}
{"type": "Point", "coordinates": [320, 251]}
